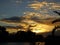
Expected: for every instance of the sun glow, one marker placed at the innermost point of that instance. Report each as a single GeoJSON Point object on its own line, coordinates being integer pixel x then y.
{"type": "Point", "coordinates": [42, 28]}
{"type": "Point", "coordinates": [37, 31]}
{"type": "Point", "coordinates": [34, 27]}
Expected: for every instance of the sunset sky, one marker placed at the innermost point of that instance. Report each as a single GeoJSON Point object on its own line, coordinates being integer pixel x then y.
{"type": "Point", "coordinates": [9, 8]}
{"type": "Point", "coordinates": [36, 11]}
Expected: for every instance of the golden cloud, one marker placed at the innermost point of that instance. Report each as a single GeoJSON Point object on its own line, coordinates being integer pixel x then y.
{"type": "Point", "coordinates": [38, 22]}
{"type": "Point", "coordinates": [38, 5]}
{"type": "Point", "coordinates": [56, 7]}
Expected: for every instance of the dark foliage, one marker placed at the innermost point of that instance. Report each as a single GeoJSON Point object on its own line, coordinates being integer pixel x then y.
{"type": "Point", "coordinates": [28, 36]}
{"type": "Point", "coordinates": [57, 12]}
{"type": "Point", "coordinates": [20, 36]}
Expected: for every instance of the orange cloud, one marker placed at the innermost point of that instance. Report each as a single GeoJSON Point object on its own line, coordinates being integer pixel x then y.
{"type": "Point", "coordinates": [40, 23]}
{"type": "Point", "coordinates": [38, 5]}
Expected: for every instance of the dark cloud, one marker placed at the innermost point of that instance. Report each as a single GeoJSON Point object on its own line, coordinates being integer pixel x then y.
{"type": "Point", "coordinates": [32, 16]}
{"type": "Point", "coordinates": [12, 19]}
{"type": "Point", "coordinates": [23, 20]}
{"type": "Point", "coordinates": [56, 20]}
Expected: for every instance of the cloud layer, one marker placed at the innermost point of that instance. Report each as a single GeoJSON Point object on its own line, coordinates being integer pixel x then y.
{"type": "Point", "coordinates": [38, 5]}
{"type": "Point", "coordinates": [39, 23]}
{"type": "Point", "coordinates": [40, 20]}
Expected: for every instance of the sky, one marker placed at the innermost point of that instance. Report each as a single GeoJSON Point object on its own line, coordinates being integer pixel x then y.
{"type": "Point", "coordinates": [35, 10]}
{"type": "Point", "coordinates": [9, 8]}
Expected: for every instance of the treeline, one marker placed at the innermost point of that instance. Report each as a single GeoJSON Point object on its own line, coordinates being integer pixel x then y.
{"type": "Point", "coordinates": [20, 36]}
{"type": "Point", "coordinates": [28, 36]}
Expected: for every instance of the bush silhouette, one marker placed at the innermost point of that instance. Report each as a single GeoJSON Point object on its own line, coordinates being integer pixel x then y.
{"type": "Point", "coordinates": [3, 34]}
{"type": "Point", "coordinates": [25, 36]}
{"type": "Point", "coordinates": [20, 36]}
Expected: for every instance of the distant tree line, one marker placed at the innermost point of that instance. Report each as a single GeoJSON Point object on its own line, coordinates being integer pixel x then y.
{"type": "Point", "coordinates": [20, 36]}
{"type": "Point", "coordinates": [28, 36]}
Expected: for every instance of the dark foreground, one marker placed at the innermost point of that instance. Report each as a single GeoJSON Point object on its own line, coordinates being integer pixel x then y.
{"type": "Point", "coordinates": [27, 38]}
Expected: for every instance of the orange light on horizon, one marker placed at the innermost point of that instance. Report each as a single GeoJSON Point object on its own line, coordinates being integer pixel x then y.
{"type": "Point", "coordinates": [42, 28]}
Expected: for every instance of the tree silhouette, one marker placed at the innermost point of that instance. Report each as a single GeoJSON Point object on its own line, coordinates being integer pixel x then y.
{"type": "Point", "coordinates": [57, 20]}
{"type": "Point", "coordinates": [56, 27]}
{"type": "Point", "coordinates": [3, 34]}
{"type": "Point", "coordinates": [52, 39]}
{"type": "Point", "coordinates": [53, 32]}
{"type": "Point", "coordinates": [2, 28]}
{"type": "Point", "coordinates": [57, 12]}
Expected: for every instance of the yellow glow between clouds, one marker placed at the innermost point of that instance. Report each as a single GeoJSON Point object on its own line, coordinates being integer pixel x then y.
{"type": "Point", "coordinates": [39, 5]}
{"type": "Point", "coordinates": [35, 27]}
{"type": "Point", "coordinates": [41, 28]}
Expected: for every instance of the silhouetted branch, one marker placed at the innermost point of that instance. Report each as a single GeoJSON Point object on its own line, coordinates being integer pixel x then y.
{"type": "Point", "coordinates": [57, 20]}
{"type": "Point", "coordinates": [57, 12]}
{"type": "Point", "coordinates": [53, 32]}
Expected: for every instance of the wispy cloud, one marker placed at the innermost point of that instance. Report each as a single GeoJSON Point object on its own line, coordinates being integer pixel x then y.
{"type": "Point", "coordinates": [38, 5]}
{"type": "Point", "coordinates": [30, 18]}
{"type": "Point", "coordinates": [16, 2]}
{"type": "Point", "coordinates": [3, 16]}
{"type": "Point", "coordinates": [38, 22]}
{"type": "Point", "coordinates": [56, 6]}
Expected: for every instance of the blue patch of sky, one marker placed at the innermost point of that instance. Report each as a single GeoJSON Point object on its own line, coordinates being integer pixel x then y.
{"type": "Point", "coordinates": [9, 8]}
